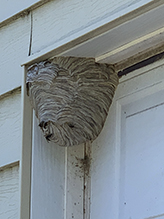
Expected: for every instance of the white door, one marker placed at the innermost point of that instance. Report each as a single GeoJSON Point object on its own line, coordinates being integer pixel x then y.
{"type": "Point", "coordinates": [124, 178]}
{"type": "Point", "coordinates": [128, 156]}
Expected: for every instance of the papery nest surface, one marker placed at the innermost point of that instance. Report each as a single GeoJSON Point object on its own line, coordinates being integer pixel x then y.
{"type": "Point", "coordinates": [71, 97]}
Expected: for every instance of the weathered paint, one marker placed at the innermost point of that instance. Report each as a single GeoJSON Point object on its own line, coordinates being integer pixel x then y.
{"type": "Point", "coordinates": [122, 160]}
{"type": "Point", "coordinates": [9, 192]}
{"type": "Point", "coordinates": [10, 131]}
{"type": "Point", "coordinates": [14, 40]}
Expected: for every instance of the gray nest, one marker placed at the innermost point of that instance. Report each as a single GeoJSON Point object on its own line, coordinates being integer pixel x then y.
{"type": "Point", "coordinates": [71, 97]}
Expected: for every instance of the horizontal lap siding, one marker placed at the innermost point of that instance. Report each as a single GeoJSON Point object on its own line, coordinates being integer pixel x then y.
{"type": "Point", "coordinates": [14, 41]}
{"type": "Point", "coordinates": [64, 20]}
{"type": "Point", "coordinates": [10, 128]}
{"type": "Point", "coordinates": [53, 22]}
{"type": "Point", "coordinates": [57, 21]}
{"type": "Point", "coordinates": [9, 193]}
{"type": "Point", "coordinates": [17, 7]}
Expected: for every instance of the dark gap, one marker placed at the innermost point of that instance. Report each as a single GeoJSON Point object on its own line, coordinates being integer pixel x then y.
{"type": "Point", "coordinates": [141, 64]}
{"type": "Point", "coordinates": [71, 125]}
{"type": "Point", "coordinates": [48, 137]}
{"type": "Point", "coordinates": [31, 29]}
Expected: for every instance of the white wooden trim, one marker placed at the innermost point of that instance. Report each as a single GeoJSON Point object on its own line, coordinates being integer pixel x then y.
{"type": "Point", "coordinates": [121, 103]}
{"type": "Point", "coordinates": [26, 154]}
{"type": "Point", "coordinates": [80, 40]}
{"type": "Point", "coordinates": [11, 75]}
{"type": "Point", "coordinates": [65, 185]}
{"type": "Point", "coordinates": [92, 42]}
{"type": "Point", "coordinates": [25, 161]}
{"type": "Point", "coordinates": [10, 121]}
{"type": "Point", "coordinates": [117, 157]}
{"type": "Point", "coordinates": [87, 180]}
{"type": "Point", "coordinates": [13, 164]}
{"type": "Point", "coordinates": [113, 55]}
{"type": "Point", "coordinates": [75, 182]}
{"type": "Point", "coordinates": [7, 16]}
{"type": "Point", "coordinates": [9, 192]}
{"type": "Point", "coordinates": [47, 177]}
{"type": "Point", "coordinates": [142, 91]}
{"type": "Point", "coordinates": [58, 49]}
{"type": "Point", "coordinates": [77, 170]}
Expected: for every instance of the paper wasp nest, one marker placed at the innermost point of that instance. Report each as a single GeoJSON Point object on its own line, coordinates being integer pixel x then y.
{"type": "Point", "coordinates": [71, 97]}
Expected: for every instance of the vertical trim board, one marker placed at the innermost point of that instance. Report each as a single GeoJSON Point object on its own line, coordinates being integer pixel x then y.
{"type": "Point", "coordinates": [25, 161]}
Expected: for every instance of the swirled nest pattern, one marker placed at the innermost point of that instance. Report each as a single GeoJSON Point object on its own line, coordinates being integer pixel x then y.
{"type": "Point", "coordinates": [71, 97]}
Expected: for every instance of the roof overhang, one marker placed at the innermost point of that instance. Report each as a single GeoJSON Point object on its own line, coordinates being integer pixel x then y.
{"type": "Point", "coordinates": [123, 41]}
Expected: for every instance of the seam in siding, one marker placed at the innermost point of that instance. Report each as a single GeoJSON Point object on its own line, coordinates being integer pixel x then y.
{"type": "Point", "coordinates": [31, 30]}
{"type": "Point", "coordinates": [23, 13]}
{"type": "Point", "coordinates": [11, 165]}
{"type": "Point", "coordinates": [16, 90]}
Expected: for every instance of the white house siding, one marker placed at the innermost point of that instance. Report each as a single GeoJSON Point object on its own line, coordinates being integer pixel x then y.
{"type": "Point", "coordinates": [14, 41]}
{"type": "Point", "coordinates": [10, 142]}
{"type": "Point", "coordinates": [10, 131]}
{"type": "Point", "coordinates": [8, 9]}
{"type": "Point", "coordinates": [62, 21]}
{"type": "Point", "coordinates": [127, 158]}
{"type": "Point", "coordinates": [127, 180]}
{"type": "Point", "coordinates": [59, 22]}
{"type": "Point", "coordinates": [55, 22]}
{"type": "Point", "coordinates": [9, 193]}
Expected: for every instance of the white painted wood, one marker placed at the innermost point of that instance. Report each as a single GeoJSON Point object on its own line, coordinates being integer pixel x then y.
{"type": "Point", "coordinates": [104, 41]}
{"type": "Point", "coordinates": [105, 154]}
{"type": "Point", "coordinates": [9, 193]}
{"type": "Point", "coordinates": [60, 183]}
{"type": "Point", "coordinates": [156, 67]}
{"type": "Point", "coordinates": [134, 87]}
{"type": "Point", "coordinates": [105, 167]}
{"type": "Point", "coordinates": [47, 183]}
{"type": "Point", "coordinates": [75, 182]}
{"type": "Point", "coordinates": [120, 155]}
{"type": "Point", "coordinates": [141, 185]}
{"type": "Point", "coordinates": [8, 9]}
{"type": "Point", "coordinates": [10, 131]}
{"type": "Point", "coordinates": [87, 180]}
{"type": "Point", "coordinates": [103, 170]}
{"type": "Point", "coordinates": [14, 40]}
{"type": "Point", "coordinates": [78, 37]}
{"type": "Point", "coordinates": [129, 49]}
{"type": "Point", "coordinates": [58, 19]}
{"type": "Point", "coordinates": [152, 79]}
{"type": "Point", "coordinates": [26, 153]}
{"type": "Point", "coordinates": [125, 39]}
{"type": "Point", "coordinates": [58, 179]}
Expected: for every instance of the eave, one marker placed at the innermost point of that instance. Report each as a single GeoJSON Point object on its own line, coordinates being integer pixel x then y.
{"type": "Point", "coordinates": [124, 41]}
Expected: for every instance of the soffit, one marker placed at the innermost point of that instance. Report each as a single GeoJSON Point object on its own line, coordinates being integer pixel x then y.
{"type": "Point", "coordinates": [129, 35]}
